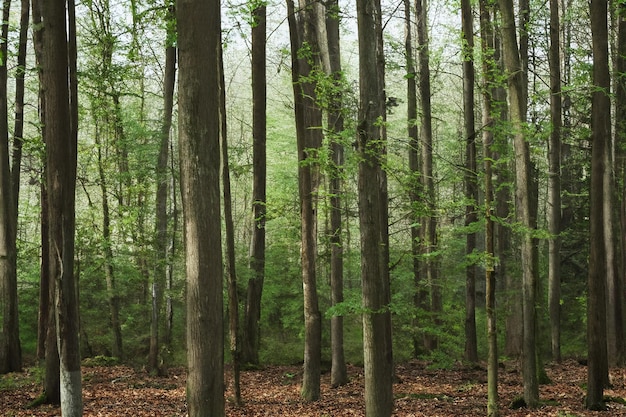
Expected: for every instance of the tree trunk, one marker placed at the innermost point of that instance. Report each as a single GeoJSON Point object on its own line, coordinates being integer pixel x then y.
{"type": "Point", "coordinates": [10, 350]}
{"type": "Point", "coordinates": [597, 370]}
{"type": "Point", "coordinates": [161, 241]}
{"type": "Point", "coordinates": [308, 118]}
{"type": "Point", "coordinates": [429, 221]}
{"type": "Point", "coordinates": [420, 296]}
{"type": "Point", "coordinates": [251, 340]}
{"type": "Point", "coordinates": [471, 178]}
{"type": "Point", "coordinates": [231, 272]}
{"type": "Point", "coordinates": [377, 350]}
{"type": "Point", "coordinates": [620, 172]}
{"type": "Point", "coordinates": [489, 90]}
{"type": "Point", "coordinates": [338, 373]}
{"type": "Point", "coordinates": [523, 200]}
{"type": "Point", "coordinates": [61, 147]}
{"type": "Point", "coordinates": [554, 183]}
{"type": "Point", "coordinates": [199, 42]}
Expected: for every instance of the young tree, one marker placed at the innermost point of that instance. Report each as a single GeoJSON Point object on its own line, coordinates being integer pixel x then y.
{"type": "Point", "coordinates": [489, 90]}
{"type": "Point", "coordinates": [554, 183]}
{"type": "Point", "coordinates": [377, 347]}
{"type": "Point", "coordinates": [523, 193]}
{"type": "Point", "coordinates": [199, 43]}
{"type": "Point", "coordinates": [58, 61]}
{"type": "Point", "coordinates": [597, 370]}
{"type": "Point", "coordinates": [250, 345]}
{"type": "Point", "coordinates": [471, 177]}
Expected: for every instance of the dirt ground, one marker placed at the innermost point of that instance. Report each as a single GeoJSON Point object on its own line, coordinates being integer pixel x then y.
{"type": "Point", "coordinates": [274, 391]}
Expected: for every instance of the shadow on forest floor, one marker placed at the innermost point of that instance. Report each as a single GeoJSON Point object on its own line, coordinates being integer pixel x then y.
{"type": "Point", "coordinates": [274, 391]}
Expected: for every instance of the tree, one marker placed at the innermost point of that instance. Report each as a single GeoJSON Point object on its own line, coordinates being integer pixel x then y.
{"type": "Point", "coordinates": [523, 193]}
{"type": "Point", "coordinates": [554, 183]}
{"type": "Point", "coordinates": [199, 43]}
{"type": "Point", "coordinates": [489, 90]}
{"type": "Point", "coordinates": [10, 349]}
{"type": "Point", "coordinates": [377, 349]}
{"type": "Point", "coordinates": [231, 271]}
{"type": "Point", "coordinates": [597, 368]}
{"type": "Point", "coordinates": [58, 63]}
{"type": "Point", "coordinates": [161, 218]}
{"type": "Point", "coordinates": [304, 48]}
{"type": "Point", "coordinates": [250, 345]}
{"type": "Point", "coordinates": [429, 271]}
{"type": "Point", "coordinates": [471, 186]}
{"type": "Point", "coordinates": [338, 373]}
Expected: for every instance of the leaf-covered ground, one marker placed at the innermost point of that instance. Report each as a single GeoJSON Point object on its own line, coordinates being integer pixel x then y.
{"type": "Point", "coordinates": [274, 391]}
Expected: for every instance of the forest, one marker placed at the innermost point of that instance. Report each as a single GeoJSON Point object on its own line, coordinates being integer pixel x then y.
{"type": "Point", "coordinates": [362, 207]}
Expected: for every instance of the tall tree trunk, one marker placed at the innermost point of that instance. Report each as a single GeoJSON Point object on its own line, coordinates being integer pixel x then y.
{"type": "Point", "coordinates": [231, 272]}
{"type": "Point", "coordinates": [377, 349]}
{"type": "Point", "coordinates": [620, 173]}
{"type": "Point", "coordinates": [429, 221]}
{"type": "Point", "coordinates": [113, 299]}
{"type": "Point", "coordinates": [199, 42]}
{"type": "Point", "coordinates": [161, 241]}
{"type": "Point", "coordinates": [308, 118]}
{"type": "Point", "coordinates": [61, 152]}
{"type": "Point", "coordinates": [251, 340]}
{"type": "Point", "coordinates": [10, 350]}
{"type": "Point", "coordinates": [471, 179]}
{"type": "Point", "coordinates": [554, 183]}
{"type": "Point", "coordinates": [597, 370]}
{"type": "Point", "coordinates": [420, 296]}
{"type": "Point", "coordinates": [489, 90]}
{"type": "Point", "coordinates": [338, 373]}
{"type": "Point", "coordinates": [523, 200]}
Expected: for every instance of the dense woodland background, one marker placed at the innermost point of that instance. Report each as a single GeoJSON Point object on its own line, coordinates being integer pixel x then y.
{"type": "Point", "coordinates": [457, 223]}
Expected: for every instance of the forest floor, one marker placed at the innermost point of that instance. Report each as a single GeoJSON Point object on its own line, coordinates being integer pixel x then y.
{"type": "Point", "coordinates": [274, 391]}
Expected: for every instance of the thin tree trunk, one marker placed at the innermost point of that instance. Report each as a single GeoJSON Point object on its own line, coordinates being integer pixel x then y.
{"type": "Point", "coordinates": [308, 118]}
{"type": "Point", "coordinates": [231, 272]}
{"type": "Point", "coordinates": [429, 221]}
{"type": "Point", "coordinates": [486, 31]}
{"type": "Point", "coordinates": [554, 183]}
{"type": "Point", "coordinates": [163, 259]}
{"type": "Point", "coordinates": [523, 201]}
{"type": "Point", "coordinates": [251, 340]}
{"type": "Point", "coordinates": [597, 369]}
{"type": "Point", "coordinates": [10, 350]}
{"type": "Point", "coordinates": [620, 172]}
{"type": "Point", "coordinates": [471, 178]}
{"type": "Point", "coordinates": [338, 373]}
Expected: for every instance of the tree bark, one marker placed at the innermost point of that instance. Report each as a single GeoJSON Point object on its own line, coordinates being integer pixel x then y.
{"type": "Point", "coordinates": [10, 350]}
{"type": "Point", "coordinates": [471, 179]}
{"type": "Point", "coordinates": [199, 43]}
{"type": "Point", "coordinates": [162, 177]}
{"type": "Point", "coordinates": [338, 373]}
{"type": "Point", "coordinates": [554, 183]}
{"type": "Point", "coordinates": [597, 369]}
{"type": "Point", "coordinates": [309, 137]}
{"type": "Point", "coordinates": [489, 90]}
{"type": "Point", "coordinates": [377, 349]}
{"type": "Point", "coordinates": [251, 340]}
{"type": "Point", "coordinates": [429, 222]}
{"type": "Point", "coordinates": [61, 153]}
{"type": "Point", "coordinates": [523, 200]}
